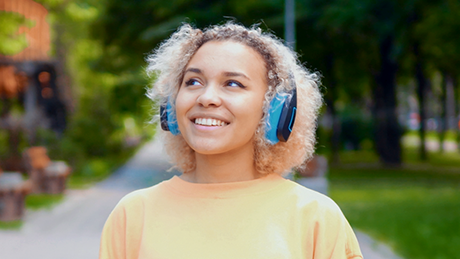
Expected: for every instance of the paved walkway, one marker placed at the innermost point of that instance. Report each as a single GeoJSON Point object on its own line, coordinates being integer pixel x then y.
{"type": "Point", "coordinates": [71, 230]}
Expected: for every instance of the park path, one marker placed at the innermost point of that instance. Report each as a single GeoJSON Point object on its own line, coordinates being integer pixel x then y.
{"type": "Point", "coordinates": [71, 230]}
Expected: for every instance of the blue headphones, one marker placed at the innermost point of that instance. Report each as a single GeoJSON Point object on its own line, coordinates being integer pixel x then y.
{"type": "Point", "coordinates": [281, 113]}
{"type": "Point", "coordinates": [168, 119]}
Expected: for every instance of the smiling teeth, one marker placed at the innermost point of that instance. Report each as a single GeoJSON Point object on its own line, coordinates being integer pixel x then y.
{"type": "Point", "coordinates": [209, 122]}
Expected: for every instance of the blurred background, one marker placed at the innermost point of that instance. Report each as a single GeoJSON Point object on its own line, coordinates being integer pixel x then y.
{"type": "Point", "coordinates": [72, 80]}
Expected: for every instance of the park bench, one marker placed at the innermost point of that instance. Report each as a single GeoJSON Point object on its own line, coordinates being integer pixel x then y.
{"type": "Point", "coordinates": [13, 190]}
{"type": "Point", "coordinates": [313, 174]}
{"type": "Point", "coordinates": [47, 176]}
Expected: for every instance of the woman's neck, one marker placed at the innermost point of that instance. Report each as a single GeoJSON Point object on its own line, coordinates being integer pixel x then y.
{"type": "Point", "coordinates": [222, 168]}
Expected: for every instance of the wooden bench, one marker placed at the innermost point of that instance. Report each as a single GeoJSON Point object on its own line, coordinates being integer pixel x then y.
{"type": "Point", "coordinates": [13, 190]}
{"type": "Point", "coordinates": [313, 174]}
{"type": "Point", "coordinates": [47, 176]}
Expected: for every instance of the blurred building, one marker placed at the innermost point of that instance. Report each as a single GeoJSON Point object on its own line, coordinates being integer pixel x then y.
{"type": "Point", "coordinates": [28, 79]}
{"type": "Point", "coordinates": [30, 75]}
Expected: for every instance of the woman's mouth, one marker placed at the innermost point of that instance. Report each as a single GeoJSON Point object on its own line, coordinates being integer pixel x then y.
{"type": "Point", "coordinates": [209, 122]}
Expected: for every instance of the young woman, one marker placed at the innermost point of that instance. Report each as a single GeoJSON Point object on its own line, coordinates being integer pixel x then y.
{"type": "Point", "coordinates": [223, 93]}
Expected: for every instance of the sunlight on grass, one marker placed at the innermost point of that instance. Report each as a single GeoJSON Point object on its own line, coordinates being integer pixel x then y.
{"type": "Point", "coordinates": [447, 159]}
{"type": "Point", "coordinates": [451, 135]}
{"type": "Point", "coordinates": [79, 182]}
{"type": "Point", "coordinates": [42, 201]}
{"type": "Point", "coordinates": [410, 157]}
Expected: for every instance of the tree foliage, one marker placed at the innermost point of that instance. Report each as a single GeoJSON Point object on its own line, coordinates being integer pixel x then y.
{"type": "Point", "coordinates": [10, 41]}
{"type": "Point", "coordinates": [108, 111]}
{"type": "Point", "coordinates": [364, 49]}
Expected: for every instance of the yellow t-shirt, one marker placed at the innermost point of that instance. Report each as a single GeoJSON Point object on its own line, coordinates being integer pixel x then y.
{"type": "Point", "coordinates": [269, 217]}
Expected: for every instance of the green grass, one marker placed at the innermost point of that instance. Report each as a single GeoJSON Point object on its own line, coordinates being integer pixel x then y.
{"type": "Point", "coordinates": [415, 209]}
{"type": "Point", "coordinates": [81, 182]}
{"type": "Point", "coordinates": [43, 201]}
{"type": "Point", "coordinates": [11, 225]}
{"type": "Point", "coordinates": [448, 161]}
{"type": "Point", "coordinates": [450, 135]}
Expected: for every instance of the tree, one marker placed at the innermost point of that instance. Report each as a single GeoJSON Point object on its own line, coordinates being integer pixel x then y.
{"type": "Point", "coordinates": [330, 50]}
{"type": "Point", "coordinates": [376, 27]}
{"type": "Point", "coordinates": [440, 47]}
{"type": "Point", "coordinates": [11, 84]}
{"type": "Point", "coordinates": [10, 41]}
{"type": "Point", "coordinates": [103, 116]}
{"type": "Point", "coordinates": [360, 47]}
{"type": "Point", "coordinates": [152, 21]}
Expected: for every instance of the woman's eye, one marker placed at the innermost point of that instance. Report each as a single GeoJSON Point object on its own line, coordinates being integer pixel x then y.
{"type": "Point", "coordinates": [235, 84]}
{"type": "Point", "coordinates": [192, 82]}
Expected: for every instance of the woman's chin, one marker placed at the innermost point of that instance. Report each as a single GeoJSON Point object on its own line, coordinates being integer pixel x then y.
{"type": "Point", "coordinates": [208, 150]}
{"type": "Point", "coordinates": [220, 145]}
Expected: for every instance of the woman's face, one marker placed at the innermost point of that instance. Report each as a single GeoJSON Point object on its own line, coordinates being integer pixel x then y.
{"type": "Point", "coordinates": [219, 104]}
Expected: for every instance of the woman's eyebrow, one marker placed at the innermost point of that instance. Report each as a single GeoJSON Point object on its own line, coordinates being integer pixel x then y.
{"type": "Point", "coordinates": [194, 70]}
{"type": "Point", "coordinates": [232, 74]}
{"type": "Point", "coordinates": [227, 74]}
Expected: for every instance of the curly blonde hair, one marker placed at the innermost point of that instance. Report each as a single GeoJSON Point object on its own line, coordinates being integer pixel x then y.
{"type": "Point", "coordinates": [167, 65]}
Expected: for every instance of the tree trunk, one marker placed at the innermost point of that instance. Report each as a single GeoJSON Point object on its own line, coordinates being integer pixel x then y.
{"type": "Point", "coordinates": [388, 132]}
{"type": "Point", "coordinates": [444, 117]}
{"type": "Point", "coordinates": [330, 102]}
{"type": "Point", "coordinates": [64, 81]}
{"type": "Point", "coordinates": [456, 88]}
{"type": "Point", "coordinates": [12, 161]}
{"type": "Point", "coordinates": [421, 93]}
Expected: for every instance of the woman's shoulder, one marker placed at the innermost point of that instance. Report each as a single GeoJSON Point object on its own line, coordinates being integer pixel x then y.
{"type": "Point", "coordinates": [139, 197]}
{"type": "Point", "coordinates": [310, 199]}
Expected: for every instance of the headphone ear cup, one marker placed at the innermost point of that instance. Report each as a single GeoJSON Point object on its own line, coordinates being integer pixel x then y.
{"type": "Point", "coordinates": [281, 115]}
{"type": "Point", "coordinates": [164, 117]}
{"type": "Point", "coordinates": [168, 119]}
{"type": "Point", "coordinates": [273, 118]}
{"type": "Point", "coordinates": [287, 117]}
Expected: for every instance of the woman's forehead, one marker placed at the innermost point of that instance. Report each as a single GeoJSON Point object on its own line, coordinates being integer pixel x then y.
{"type": "Point", "coordinates": [227, 57]}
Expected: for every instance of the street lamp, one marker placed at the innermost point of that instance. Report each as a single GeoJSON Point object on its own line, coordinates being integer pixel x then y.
{"type": "Point", "coordinates": [289, 23]}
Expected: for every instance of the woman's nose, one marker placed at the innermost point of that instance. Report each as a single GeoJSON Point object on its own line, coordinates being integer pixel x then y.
{"type": "Point", "coordinates": [210, 97]}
